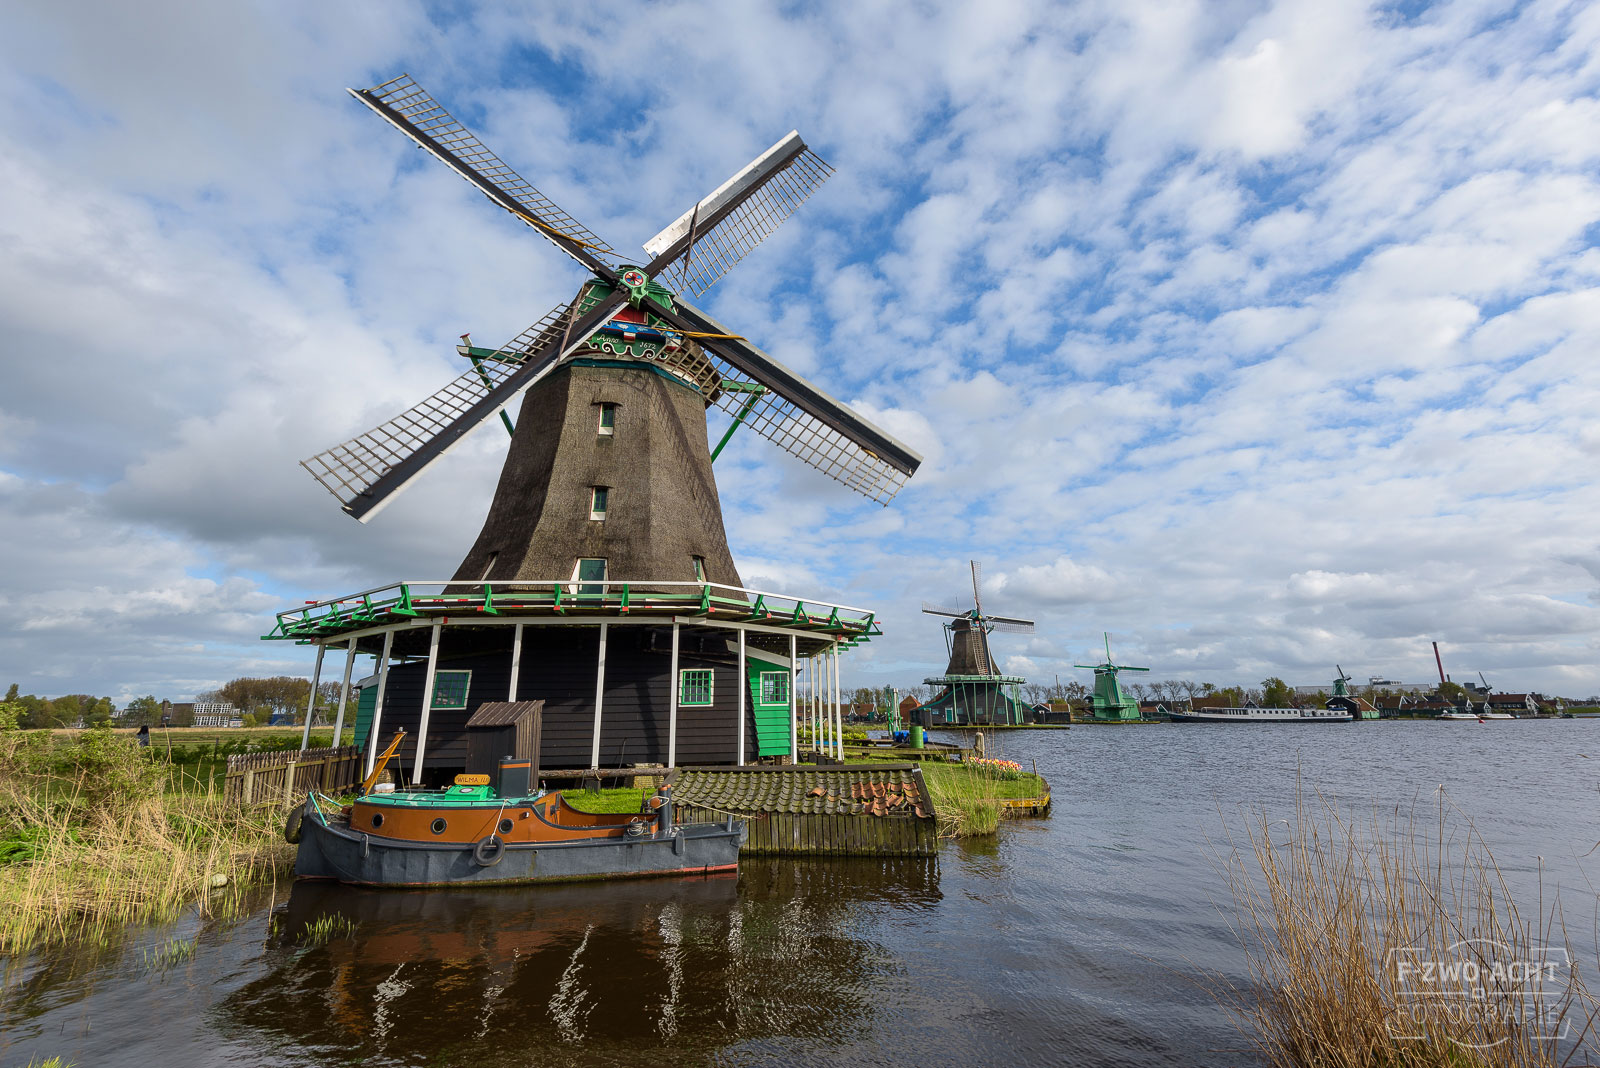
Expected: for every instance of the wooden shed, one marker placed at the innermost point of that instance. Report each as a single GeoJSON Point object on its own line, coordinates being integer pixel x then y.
{"type": "Point", "coordinates": [504, 729]}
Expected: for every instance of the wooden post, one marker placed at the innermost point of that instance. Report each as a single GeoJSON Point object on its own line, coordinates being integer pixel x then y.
{"type": "Point", "coordinates": [672, 704]}
{"type": "Point", "coordinates": [421, 745]}
{"type": "Point", "coordinates": [248, 787]}
{"type": "Point", "coordinates": [599, 697]}
{"type": "Point", "coordinates": [311, 706]}
{"type": "Point", "coordinates": [288, 781]}
{"type": "Point", "coordinates": [516, 660]}
{"type": "Point", "coordinates": [794, 707]}
{"type": "Point", "coordinates": [344, 691]}
{"type": "Point", "coordinates": [377, 704]}
{"type": "Point", "coordinates": [744, 695]}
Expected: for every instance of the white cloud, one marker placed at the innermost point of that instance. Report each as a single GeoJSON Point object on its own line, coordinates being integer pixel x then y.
{"type": "Point", "coordinates": [1258, 335]}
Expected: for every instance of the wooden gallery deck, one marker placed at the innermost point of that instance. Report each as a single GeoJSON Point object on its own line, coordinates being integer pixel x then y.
{"type": "Point", "coordinates": [881, 810]}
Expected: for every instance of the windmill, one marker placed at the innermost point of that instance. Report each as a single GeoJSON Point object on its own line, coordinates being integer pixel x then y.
{"type": "Point", "coordinates": [1109, 701]}
{"type": "Point", "coordinates": [974, 691]}
{"type": "Point", "coordinates": [607, 490]}
{"type": "Point", "coordinates": [1342, 700]}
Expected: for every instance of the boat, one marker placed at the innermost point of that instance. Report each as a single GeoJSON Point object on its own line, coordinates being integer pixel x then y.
{"type": "Point", "coordinates": [1261, 715]}
{"type": "Point", "coordinates": [484, 832]}
{"type": "Point", "coordinates": [1496, 715]}
{"type": "Point", "coordinates": [467, 834]}
{"type": "Point", "coordinates": [1463, 715]}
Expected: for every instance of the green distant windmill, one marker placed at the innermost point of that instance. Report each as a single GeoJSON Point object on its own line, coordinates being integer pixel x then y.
{"type": "Point", "coordinates": [1110, 703]}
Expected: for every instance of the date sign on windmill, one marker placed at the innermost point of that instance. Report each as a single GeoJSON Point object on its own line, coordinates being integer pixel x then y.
{"type": "Point", "coordinates": [601, 582]}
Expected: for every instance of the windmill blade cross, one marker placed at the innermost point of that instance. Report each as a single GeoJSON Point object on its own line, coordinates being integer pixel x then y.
{"type": "Point", "coordinates": [408, 107]}
{"type": "Point", "coordinates": [366, 472]}
{"type": "Point", "coordinates": [705, 242]}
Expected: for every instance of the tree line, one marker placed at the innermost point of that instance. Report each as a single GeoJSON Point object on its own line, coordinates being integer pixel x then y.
{"type": "Point", "coordinates": [256, 699]}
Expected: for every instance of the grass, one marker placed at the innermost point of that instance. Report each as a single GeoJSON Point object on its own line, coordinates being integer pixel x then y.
{"type": "Point", "coordinates": [1335, 919]}
{"type": "Point", "coordinates": [617, 799]}
{"type": "Point", "coordinates": [967, 796]}
{"type": "Point", "coordinates": [95, 835]}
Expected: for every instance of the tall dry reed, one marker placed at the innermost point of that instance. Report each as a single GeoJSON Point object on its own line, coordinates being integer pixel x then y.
{"type": "Point", "coordinates": [1395, 942]}
{"type": "Point", "coordinates": [103, 835]}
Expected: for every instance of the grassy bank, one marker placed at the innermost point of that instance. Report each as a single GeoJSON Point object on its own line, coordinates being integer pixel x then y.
{"type": "Point", "coordinates": [95, 833]}
{"type": "Point", "coordinates": [1343, 925]}
{"type": "Point", "coordinates": [967, 796]}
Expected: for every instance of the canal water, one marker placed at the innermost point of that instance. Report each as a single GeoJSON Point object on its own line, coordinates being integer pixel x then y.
{"type": "Point", "coordinates": [1080, 939]}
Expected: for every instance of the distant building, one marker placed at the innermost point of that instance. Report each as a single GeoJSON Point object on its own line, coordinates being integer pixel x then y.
{"type": "Point", "coordinates": [216, 714]}
{"type": "Point", "coordinates": [1518, 704]}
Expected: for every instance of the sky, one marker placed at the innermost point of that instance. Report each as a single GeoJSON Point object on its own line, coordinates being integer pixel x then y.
{"type": "Point", "coordinates": [1260, 336]}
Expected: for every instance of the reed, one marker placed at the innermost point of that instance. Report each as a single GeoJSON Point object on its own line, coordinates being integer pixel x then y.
{"type": "Point", "coordinates": [324, 929]}
{"type": "Point", "coordinates": [1340, 922]}
{"type": "Point", "coordinates": [172, 952]}
{"type": "Point", "coordinates": [101, 835]}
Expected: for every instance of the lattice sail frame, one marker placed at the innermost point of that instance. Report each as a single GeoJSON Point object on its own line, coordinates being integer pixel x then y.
{"type": "Point", "coordinates": [351, 468]}
{"type": "Point", "coordinates": [724, 242]}
{"type": "Point", "coordinates": [411, 102]}
{"type": "Point", "coordinates": [807, 438]}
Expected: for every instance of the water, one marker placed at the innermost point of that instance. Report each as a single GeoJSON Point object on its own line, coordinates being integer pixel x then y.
{"type": "Point", "coordinates": [1071, 940]}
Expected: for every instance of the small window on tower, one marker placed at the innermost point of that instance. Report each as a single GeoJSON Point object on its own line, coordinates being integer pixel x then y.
{"type": "Point", "coordinates": [699, 569]}
{"type": "Point", "coordinates": [597, 502]}
{"type": "Point", "coordinates": [608, 419]}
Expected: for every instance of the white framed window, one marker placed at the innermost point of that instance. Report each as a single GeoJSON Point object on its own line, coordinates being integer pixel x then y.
{"type": "Point", "coordinates": [599, 499]}
{"type": "Point", "coordinates": [450, 688]}
{"type": "Point", "coordinates": [587, 573]}
{"type": "Point", "coordinates": [774, 687]}
{"type": "Point", "coordinates": [699, 569]}
{"type": "Point", "coordinates": [608, 419]}
{"type": "Point", "coordinates": [695, 686]}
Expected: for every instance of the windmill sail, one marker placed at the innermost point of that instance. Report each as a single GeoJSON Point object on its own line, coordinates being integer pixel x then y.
{"type": "Point", "coordinates": [801, 419]}
{"type": "Point", "coordinates": [366, 471]}
{"type": "Point", "coordinates": [706, 241]}
{"type": "Point", "coordinates": [409, 108]}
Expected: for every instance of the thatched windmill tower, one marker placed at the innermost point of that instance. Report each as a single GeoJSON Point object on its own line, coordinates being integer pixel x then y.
{"type": "Point", "coordinates": [973, 689]}
{"type": "Point", "coordinates": [602, 581]}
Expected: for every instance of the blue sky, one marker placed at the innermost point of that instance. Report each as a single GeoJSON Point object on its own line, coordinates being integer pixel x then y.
{"type": "Point", "coordinates": [1260, 335]}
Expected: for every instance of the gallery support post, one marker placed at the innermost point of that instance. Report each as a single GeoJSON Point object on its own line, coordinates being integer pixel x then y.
{"type": "Point", "coordinates": [420, 748]}
{"type": "Point", "coordinates": [311, 702]}
{"type": "Point", "coordinates": [377, 703]}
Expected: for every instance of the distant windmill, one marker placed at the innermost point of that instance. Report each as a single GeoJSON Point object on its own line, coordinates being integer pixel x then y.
{"type": "Point", "coordinates": [1340, 687]}
{"type": "Point", "coordinates": [974, 691]}
{"type": "Point", "coordinates": [1110, 702]}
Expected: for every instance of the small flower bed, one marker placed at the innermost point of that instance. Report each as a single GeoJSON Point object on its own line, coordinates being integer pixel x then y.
{"type": "Point", "coordinates": [1007, 766]}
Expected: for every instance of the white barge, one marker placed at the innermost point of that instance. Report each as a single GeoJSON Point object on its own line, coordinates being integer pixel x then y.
{"type": "Point", "coordinates": [1261, 715]}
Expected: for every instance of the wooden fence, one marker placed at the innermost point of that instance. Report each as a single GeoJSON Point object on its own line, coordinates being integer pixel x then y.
{"type": "Point", "coordinates": [286, 776]}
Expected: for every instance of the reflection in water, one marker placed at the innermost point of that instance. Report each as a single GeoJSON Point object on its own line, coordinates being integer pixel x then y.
{"type": "Point", "coordinates": [584, 974]}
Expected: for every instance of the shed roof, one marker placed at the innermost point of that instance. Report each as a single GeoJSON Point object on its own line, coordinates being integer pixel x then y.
{"type": "Point", "coordinates": [504, 713]}
{"type": "Point", "coordinates": [886, 790]}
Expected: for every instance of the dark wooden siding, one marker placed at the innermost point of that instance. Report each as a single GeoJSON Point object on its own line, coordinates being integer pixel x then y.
{"type": "Point", "coordinates": [558, 666]}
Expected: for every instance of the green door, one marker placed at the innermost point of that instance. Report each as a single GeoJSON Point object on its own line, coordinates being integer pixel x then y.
{"type": "Point", "coordinates": [591, 571]}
